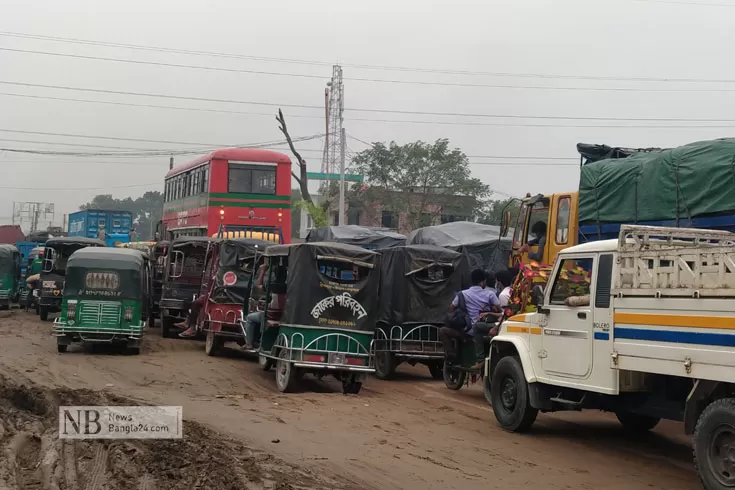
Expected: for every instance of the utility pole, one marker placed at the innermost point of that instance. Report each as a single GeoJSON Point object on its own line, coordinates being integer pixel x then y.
{"type": "Point", "coordinates": [171, 162]}
{"type": "Point", "coordinates": [342, 180]}
{"type": "Point", "coordinates": [334, 141]}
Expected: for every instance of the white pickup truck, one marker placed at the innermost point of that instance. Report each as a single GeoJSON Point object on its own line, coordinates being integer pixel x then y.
{"type": "Point", "coordinates": [649, 334]}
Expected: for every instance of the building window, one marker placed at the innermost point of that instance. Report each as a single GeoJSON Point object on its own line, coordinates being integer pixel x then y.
{"type": "Point", "coordinates": [389, 220]}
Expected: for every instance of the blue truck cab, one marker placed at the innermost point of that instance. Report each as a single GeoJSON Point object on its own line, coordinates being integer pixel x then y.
{"type": "Point", "coordinates": [88, 223]}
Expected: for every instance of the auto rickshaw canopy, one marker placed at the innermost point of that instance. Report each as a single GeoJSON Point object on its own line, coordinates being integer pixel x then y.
{"type": "Point", "coordinates": [105, 273]}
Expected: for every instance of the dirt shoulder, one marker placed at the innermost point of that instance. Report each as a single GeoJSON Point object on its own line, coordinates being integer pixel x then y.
{"type": "Point", "coordinates": [408, 433]}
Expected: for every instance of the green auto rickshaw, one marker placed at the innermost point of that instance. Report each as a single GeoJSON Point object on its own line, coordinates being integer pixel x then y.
{"type": "Point", "coordinates": [319, 313]}
{"type": "Point", "coordinates": [9, 275]}
{"type": "Point", "coordinates": [106, 298]}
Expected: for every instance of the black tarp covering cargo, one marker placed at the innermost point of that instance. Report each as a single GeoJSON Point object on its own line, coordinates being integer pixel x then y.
{"type": "Point", "coordinates": [360, 236]}
{"type": "Point", "coordinates": [418, 282]}
{"type": "Point", "coordinates": [678, 184]}
{"type": "Point", "coordinates": [235, 269]}
{"type": "Point", "coordinates": [322, 290]}
{"type": "Point", "coordinates": [480, 243]}
{"type": "Point", "coordinates": [9, 257]}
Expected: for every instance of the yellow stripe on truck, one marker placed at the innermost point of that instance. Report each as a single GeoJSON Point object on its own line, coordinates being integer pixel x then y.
{"type": "Point", "coordinates": [695, 321]}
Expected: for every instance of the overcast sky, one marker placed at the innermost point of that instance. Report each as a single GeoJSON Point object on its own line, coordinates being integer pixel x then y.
{"type": "Point", "coordinates": [548, 42]}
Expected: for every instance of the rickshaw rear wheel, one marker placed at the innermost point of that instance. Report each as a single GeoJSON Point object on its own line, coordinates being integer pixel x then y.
{"type": "Point", "coordinates": [166, 323]}
{"type": "Point", "coordinates": [285, 373]}
{"type": "Point", "coordinates": [265, 363]}
{"type": "Point", "coordinates": [133, 351]}
{"type": "Point", "coordinates": [213, 344]}
{"type": "Point", "coordinates": [385, 365]}
{"type": "Point", "coordinates": [43, 313]}
{"type": "Point", "coordinates": [351, 386]}
{"type": "Point", "coordinates": [453, 378]}
{"type": "Point", "coordinates": [151, 321]}
{"type": "Point", "coordinates": [437, 370]}
{"type": "Point", "coordinates": [61, 347]}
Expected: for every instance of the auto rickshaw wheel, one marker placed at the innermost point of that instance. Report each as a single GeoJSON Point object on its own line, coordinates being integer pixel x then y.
{"type": "Point", "coordinates": [350, 386]}
{"type": "Point", "coordinates": [436, 369]}
{"type": "Point", "coordinates": [43, 313]}
{"type": "Point", "coordinates": [151, 321]}
{"type": "Point", "coordinates": [133, 351]}
{"type": "Point", "coordinates": [166, 323]}
{"type": "Point", "coordinates": [265, 363]}
{"type": "Point", "coordinates": [453, 378]}
{"type": "Point", "coordinates": [212, 344]}
{"type": "Point", "coordinates": [61, 347]}
{"type": "Point", "coordinates": [285, 373]}
{"type": "Point", "coordinates": [385, 365]}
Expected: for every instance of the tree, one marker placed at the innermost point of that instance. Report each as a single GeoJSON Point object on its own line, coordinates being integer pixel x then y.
{"type": "Point", "coordinates": [410, 178]}
{"type": "Point", "coordinates": [147, 210]}
{"type": "Point", "coordinates": [492, 212]}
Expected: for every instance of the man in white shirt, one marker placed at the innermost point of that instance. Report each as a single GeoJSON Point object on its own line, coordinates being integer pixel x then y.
{"type": "Point", "coordinates": [504, 281]}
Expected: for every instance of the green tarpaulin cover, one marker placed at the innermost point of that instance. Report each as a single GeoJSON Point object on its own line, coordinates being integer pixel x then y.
{"type": "Point", "coordinates": [681, 183]}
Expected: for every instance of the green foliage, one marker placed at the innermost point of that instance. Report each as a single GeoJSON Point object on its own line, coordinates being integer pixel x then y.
{"type": "Point", "coordinates": [318, 213]}
{"type": "Point", "coordinates": [492, 212]}
{"type": "Point", "coordinates": [417, 175]}
{"type": "Point", "coordinates": [147, 210]}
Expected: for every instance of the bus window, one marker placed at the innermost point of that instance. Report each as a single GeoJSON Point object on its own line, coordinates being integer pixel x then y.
{"type": "Point", "coordinates": [562, 221]}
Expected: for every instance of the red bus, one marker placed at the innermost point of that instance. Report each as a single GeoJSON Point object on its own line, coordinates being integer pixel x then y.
{"type": "Point", "coordinates": [245, 191]}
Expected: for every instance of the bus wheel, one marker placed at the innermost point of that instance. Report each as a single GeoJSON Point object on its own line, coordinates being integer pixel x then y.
{"type": "Point", "coordinates": [713, 438]}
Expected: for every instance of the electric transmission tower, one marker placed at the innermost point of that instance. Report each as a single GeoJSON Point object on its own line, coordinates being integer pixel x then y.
{"type": "Point", "coordinates": [32, 213]}
{"type": "Point", "coordinates": [333, 145]}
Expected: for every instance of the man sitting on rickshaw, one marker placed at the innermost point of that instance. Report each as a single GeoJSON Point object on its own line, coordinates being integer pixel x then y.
{"type": "Point", "coordinates": [255, 321]}
{"type": "Point", "coordinates": [480, 303]}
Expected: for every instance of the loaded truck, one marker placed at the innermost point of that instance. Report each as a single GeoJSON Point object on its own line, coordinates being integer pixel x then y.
{"type": "Point", "coordinates": [689, 186]}
{"type": "Point", "coordinates": [90, 223]}
{"type": "Point", "coordinates": [648, 334]}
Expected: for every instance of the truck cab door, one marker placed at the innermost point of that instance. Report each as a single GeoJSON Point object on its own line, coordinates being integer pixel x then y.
{"type": "Point", "coordinates": [568, 333]}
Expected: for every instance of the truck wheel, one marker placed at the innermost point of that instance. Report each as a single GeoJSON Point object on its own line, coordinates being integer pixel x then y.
{"type": "Point", "coordinates": [385, 365]}
{"type": "Point", "coordinates": [453, 378]}
{"type": "Point", "coordinates": [43, 313]}
{"type": "Point", "coordinates": [713, 438]}
{"type": "Point", "coordinates": [636, 423]}
{"type": "Point", "coordinates": [509, 396]}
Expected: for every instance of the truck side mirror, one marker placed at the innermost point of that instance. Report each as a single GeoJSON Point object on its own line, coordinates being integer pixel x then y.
{"type": "Point", "coordinates": [505, 224]}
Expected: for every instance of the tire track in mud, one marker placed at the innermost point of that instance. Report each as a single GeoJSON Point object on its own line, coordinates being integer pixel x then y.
{"type": "Point", "coordinates": [69, 465]}
{"type": "Point", "coordinates": [96, 478]}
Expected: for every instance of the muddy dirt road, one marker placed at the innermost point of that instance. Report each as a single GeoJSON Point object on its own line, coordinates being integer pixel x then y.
{"type": "Point", "coordinates": [403, 434]}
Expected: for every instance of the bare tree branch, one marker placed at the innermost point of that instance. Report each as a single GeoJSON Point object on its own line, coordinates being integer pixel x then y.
{"type": "Point", "coordinates": [302, 178]}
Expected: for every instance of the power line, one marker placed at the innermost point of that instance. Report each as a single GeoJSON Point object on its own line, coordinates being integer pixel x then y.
{"type": "Point", "coordinates": [390, 81]}
{"type": "Point", "coordinates": [393, 121]}
{"type": "Point", "coordinates": [387, 111]}
{"type": "Point", "coordinates": [359, 66]}
{"type": "Point", "coordinates": [81, 188]}
{"type": "Point", "coordinates": [140, 153]}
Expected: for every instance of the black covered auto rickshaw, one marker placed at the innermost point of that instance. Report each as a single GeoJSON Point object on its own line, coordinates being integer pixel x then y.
{"type": "Point", "coordinates": [417, 284]}
{"type": "Point", "coordinates": [9, 275]}
{"type": "Point", "coordinates": [229, 270]}
{"type": "Point", "coordinates": [183, 278]}
{"type": "Point", "coordinates": [106, 298]}
{"type": "Point", "coordinates": [55, 256]}
{"type": "Point", "coordinates": [326, 296]}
